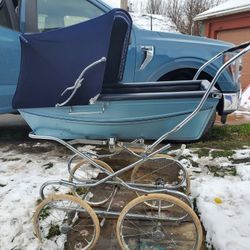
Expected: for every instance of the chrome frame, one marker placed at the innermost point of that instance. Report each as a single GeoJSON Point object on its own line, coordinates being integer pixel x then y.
{"type": "Point", "coordinates": [118, 181]}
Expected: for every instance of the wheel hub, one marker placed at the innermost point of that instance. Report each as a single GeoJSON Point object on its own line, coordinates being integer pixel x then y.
{"type": "Point", "coordinates": [158, 234]}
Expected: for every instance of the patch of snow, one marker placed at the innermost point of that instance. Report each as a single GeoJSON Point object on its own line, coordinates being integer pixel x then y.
{"type": "Point", "coordinates": [243, 170]}
{"type": "Point", "coordinates": [242, 154]}
{"type": "Point", "coordinates": [229, 7]}
{"type": "Point", "coordinates": [143, 21]}
{"type": "Point", "coordinates": [245, 99]}
{"type": "Point", "coordinates": [159, 22]}
{"type": "Point", "coordinates": [113, 3]}
{"type": "Point", "coordinates": [227, 224]}
{"type": "Point", "coordinates": [231, 4]}
{"type": "Point", "coordinates": [241, 112]}
{"type": "Point", "coordinates": [21, 176]}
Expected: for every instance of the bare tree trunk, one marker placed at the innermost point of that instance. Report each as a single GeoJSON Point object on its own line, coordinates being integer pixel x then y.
{"type": "Point", "coordinates": [182, 13]}
{"type": "Point", "coordinates": [154, 6]}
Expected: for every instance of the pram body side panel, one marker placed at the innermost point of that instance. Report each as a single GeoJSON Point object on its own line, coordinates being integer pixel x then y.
{"type": "Point", "coordinates": [124, 120]}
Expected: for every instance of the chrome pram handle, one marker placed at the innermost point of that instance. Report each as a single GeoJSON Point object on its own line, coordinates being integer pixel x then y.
{"type": "Point", "coordinates": [78, 82]}
{"type": "Point", "coordinates": [235, 48]}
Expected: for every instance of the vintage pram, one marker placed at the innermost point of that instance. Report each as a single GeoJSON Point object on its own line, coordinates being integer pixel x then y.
{"type": "Point", "coordinates": [98, 107]}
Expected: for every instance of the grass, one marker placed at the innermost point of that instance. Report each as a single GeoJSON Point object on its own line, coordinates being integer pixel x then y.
{"type": "Point", "coordinates": [81, 191]}
{"type": "Point", "coordinates": [222, 172]}
{"type": "Point", "coordinates": [53, 231]}
{"type": "Point", "coordinates": [203, 152]}
{"type": "Point", "coordinates": [45, 213]}
{"type": "Point", "coordinates": [222, 141]}
{"type": "Point", "coordinates": [194, 164]}
{"type": "Point", "coordinates": [222, 153]}
{"type": "Point", "coordinates": [227, 138]}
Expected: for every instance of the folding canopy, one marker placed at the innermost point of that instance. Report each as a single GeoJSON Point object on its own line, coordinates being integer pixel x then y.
{"type": "Point", "coordinates": [53, 60]}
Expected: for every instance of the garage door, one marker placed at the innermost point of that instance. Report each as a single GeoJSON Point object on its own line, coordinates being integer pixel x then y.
{"type": "Point", "coordinates": [238, 36]}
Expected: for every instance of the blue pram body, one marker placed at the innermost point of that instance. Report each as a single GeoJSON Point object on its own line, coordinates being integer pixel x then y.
{"type": "Point", "coordinates": [98, 105]}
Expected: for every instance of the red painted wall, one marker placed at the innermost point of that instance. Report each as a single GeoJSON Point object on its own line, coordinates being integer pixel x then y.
{"type": "Point", "coordinates": [235, 21]}
{"type": "Point", "coordinates": [232, 28]}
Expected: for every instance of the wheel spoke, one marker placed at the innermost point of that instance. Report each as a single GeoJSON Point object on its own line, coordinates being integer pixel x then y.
{"type": "Point", "coordinates": [162, 172]}
{"type": "Point", "coordinates": [135, 235]}
{"type": "Point", "coordinates": [138, 228]}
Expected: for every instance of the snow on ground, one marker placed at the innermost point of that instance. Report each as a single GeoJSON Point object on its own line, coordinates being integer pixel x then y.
{"type": "Point", "coordinates": [21, 175]}
{"type": "Point", "coordinates": [143, 21]}
{"type": "Point", "coordinates": [245, 102]}
{"type": "Point", "coordinates": [245, 99]}
{"type": "Point", "coordinates": [223, 203]}
{"type": "Point", "coordinates": [228, 223]}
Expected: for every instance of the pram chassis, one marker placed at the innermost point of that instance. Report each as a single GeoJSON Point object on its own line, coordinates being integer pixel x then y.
{"type": "Point", "coordinates": [162, 192]}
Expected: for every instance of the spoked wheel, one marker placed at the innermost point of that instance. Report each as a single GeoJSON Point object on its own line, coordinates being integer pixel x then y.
{"type": "Point", "coordinates": [95, 196]}
{"type": "Point", "coordinates": [67, 222]}
{"type": "Point", "coordinates": [142, 227]}
{"type": "Point", "coordinates": [162, 172]}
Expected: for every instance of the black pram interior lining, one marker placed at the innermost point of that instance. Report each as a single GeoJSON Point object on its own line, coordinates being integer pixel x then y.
{"type": "Point", "coordinates": [173, 86]}
{"type": "Point", "coordinates": [158, 90]}
{"type": "Point", "coordinates": [117, 52]}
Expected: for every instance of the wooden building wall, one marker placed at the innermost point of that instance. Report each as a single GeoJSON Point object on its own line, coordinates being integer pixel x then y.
{"type": "Point", "coordinates": [232, 28]}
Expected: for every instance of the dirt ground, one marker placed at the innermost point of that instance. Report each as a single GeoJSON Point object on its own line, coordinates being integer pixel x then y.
{"type": "Point", "coordinates": [235, 119]}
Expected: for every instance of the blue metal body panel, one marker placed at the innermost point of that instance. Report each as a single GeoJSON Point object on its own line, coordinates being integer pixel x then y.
{"type": "Point", "coordinates": [9, 67]}
{"type": "Point", "coordinates": [125, 120]}
{"type": "Point", "coordinates": [177, 51]}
